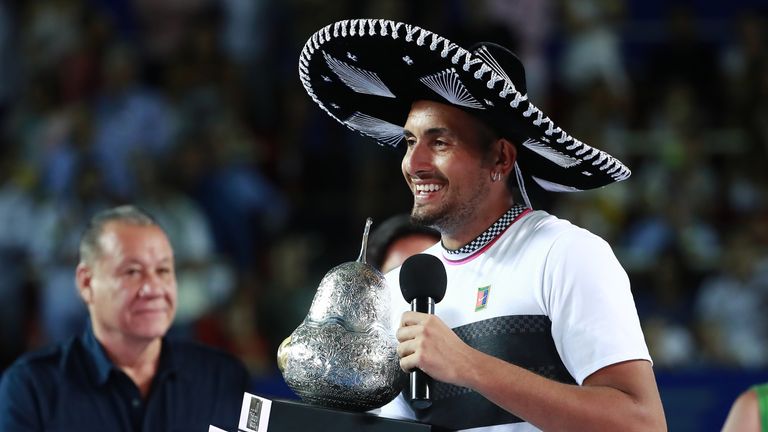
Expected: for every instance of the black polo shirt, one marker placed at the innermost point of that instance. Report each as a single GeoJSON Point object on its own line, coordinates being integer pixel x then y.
{"type": "Point", "coordinates": [76, 387]}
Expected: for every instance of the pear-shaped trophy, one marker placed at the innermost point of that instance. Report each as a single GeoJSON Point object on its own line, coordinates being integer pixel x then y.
{"type": "Point", "coordinates": [343, 354]}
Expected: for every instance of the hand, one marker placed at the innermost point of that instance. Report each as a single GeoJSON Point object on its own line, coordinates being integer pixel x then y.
{"type": "Point", "coordinates": [428, 344]}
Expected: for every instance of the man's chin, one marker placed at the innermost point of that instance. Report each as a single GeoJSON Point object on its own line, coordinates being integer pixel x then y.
{"type": "Point", "coordinates": [150, 331]}
{"type": "Point", "coordinates": [427, 219]}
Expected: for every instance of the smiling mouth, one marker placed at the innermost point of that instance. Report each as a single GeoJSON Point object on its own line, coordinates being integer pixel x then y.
{"type": "Point", "coordinates": [423, 189]}
{"type": "Point", "coordinates": [150, 311]}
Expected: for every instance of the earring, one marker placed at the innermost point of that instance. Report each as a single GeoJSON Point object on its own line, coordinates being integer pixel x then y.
{"type": "Point", "coordinates": [495, 176]}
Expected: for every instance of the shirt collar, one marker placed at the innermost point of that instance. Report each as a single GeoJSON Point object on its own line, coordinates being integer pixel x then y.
{"type": "Point", "coordinates": [487, 236]}
{"type": "Point", "coordinates": [103, 366]}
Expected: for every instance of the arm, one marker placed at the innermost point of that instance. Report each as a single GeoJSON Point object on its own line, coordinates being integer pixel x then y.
{"type": "Point", "coordinates": [744, 415]}
{"type": "Point", "coordinates": [622, 396]}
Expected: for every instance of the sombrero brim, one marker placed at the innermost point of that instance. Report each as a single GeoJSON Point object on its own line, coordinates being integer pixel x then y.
{"type": "Point", "coordinates": [366, 73]}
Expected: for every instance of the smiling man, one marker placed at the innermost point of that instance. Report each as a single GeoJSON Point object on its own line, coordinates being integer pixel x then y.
{"type": "Point", "coordinates": [537, 329]}
{"type": "Point", "coordinates": [123, 374]}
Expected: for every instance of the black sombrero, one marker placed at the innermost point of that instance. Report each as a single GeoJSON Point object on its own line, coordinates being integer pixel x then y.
{"type": "Point", "coordinates": [366, 73]}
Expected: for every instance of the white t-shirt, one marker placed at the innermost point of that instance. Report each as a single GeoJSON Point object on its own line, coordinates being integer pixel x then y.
{"type": "Point", "coordinates": [548, 269]}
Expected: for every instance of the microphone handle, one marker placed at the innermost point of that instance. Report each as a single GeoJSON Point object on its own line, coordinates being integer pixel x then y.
{"type": "Point", "coordinates": [419, 381]}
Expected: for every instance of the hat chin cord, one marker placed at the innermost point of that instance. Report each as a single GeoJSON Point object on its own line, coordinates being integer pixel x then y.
{"type": "Point", "coordinates": [521, 185]}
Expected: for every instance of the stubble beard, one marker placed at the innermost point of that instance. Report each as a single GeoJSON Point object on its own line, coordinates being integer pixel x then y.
{"type": "Point", "coordinates": [450, 217]}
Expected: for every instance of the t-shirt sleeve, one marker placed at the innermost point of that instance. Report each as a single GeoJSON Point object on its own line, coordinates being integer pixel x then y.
{"type": "Point", "coordinates": [588, 296]}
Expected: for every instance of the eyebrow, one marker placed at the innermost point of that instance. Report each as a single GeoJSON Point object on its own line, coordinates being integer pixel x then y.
{"type": "Point", "coordinates": [132, 261]}
{"type": "Point", "coordinates": [430, 131]}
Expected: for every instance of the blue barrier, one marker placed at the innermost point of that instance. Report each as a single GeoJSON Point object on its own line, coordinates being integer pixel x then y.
{"type": "Point", "coordinates": [699, 399]}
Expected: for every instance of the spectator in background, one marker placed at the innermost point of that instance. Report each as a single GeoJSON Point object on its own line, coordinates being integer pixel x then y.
{"type": "Point", "coordinates": [396, 239]}
{"type": "Point", "coordinates": [130, 121]}
{"type": "Point", "coordinates": [123, 373]}
{"type": "Point", "coordinates": [17, 207]}
{"type": "Point", "coordinates": [729, 310]}
{"type": "Point", "coordinates": [592, 49]}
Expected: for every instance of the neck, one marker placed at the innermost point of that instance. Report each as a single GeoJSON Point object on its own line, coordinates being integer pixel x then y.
{"type": "Point", "coordinates": [136, 358]}
{"type": "Point", "coordinates": [468, 231]}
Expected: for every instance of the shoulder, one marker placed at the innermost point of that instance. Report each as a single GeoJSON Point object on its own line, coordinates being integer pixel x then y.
{"type": "Point", "coordinates": [744, 414]}
{"type": "Point", "coordinates": [558, 235]}
{"type": "Point", "coordinates": [28, 385]}
{"type": "Point", "coordinates": [39, 364]}
{"type": "Point", "coordinates": [572, 253]}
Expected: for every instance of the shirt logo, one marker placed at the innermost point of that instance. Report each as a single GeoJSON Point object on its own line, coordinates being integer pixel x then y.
{"type": "Point", "coordinates": [482, 297]}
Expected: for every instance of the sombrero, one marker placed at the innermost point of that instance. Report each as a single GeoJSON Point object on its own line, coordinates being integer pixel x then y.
{"type": "Point", "coordinates": [365, 73]}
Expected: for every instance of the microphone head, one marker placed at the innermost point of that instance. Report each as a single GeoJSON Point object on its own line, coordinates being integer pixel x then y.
{"type": "Point", "coordinates": [423, 275]}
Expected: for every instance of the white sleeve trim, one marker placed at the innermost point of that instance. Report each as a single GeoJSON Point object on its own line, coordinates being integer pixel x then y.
{"type": "Point", "coordinates": [588, 370]}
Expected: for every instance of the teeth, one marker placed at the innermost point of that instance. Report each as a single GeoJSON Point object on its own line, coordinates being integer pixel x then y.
{"type": "Point", "coordinates": [428, 187]}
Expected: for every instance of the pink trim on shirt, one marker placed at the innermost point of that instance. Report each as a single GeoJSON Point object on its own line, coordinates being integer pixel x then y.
{"type": "Point", "coordinates": [480, 251]}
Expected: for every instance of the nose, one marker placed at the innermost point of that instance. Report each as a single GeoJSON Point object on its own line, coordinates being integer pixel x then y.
{"type": "Point", "coordinates": [416, 159]}
{"type": "Point", "coordinates": [151, 287]}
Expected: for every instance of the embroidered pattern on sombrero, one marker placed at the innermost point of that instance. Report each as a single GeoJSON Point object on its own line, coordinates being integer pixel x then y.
{"type": "Point", "coordinates": [359, 80]}
{"type": "Point", "coordinates": [448, 85]}
{"type": "Point", "coordinates": [480, 65]}
{"type": "Point", "coordinates": [484, 54]}
{"type": "Point", "coordinates": [548, 152]}
{"type": "Point", "coordinates": [383, 131]}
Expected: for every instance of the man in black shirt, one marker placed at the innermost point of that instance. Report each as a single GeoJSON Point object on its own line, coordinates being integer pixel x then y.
{"type": "Point", "coordinates": [123, 374]}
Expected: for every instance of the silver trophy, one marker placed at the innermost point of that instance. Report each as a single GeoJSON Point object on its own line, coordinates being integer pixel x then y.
{"type": "Point", "coordinates": [343, 355]}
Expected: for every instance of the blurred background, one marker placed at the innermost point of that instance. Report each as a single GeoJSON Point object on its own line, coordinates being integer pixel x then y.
{"type": "Point", "coordinates": [193, 109]}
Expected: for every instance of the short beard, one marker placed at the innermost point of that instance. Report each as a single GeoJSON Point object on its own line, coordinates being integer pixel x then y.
{"type": "Point", "coordinates": [435, 221]}
{"type": "Point", "coordinates": [450, 221]}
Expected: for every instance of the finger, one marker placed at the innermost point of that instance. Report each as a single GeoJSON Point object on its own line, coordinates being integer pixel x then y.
{"type": "Point", "coordinates": [406, 333]}
{"type": "Point", "coordinates": [406, 348]}
{"type": "Point", "coordinates": [409, 363]}
{"type": "Point", "coordinates": [412, 318]}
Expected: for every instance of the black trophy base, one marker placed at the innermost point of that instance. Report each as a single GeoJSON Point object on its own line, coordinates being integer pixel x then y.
{"type": "Point", "coordinates": [292, 416]}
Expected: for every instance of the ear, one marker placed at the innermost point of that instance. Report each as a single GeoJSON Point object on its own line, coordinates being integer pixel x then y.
{"type": "Point", "coordinates": [83, 279]}
{"type": "Point", "coordinates": [506, 155]}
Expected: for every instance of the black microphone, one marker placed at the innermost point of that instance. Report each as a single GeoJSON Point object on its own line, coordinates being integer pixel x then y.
{"type": "Point", "coordinates": [422, 282]}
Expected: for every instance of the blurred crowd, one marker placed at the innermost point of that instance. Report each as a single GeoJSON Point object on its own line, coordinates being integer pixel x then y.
{"type": "Point", "coordinates": [193, 110]}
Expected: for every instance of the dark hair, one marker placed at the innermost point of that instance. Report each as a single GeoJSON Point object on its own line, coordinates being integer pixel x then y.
{"type": "Point", "coordinates": [487, 135]}
{"type": "Point", "coordinates": [90, 249]}
{"type": "Point", "coordinates": [391, 230]}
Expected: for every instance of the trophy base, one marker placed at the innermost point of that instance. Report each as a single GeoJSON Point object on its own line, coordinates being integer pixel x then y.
{"type": "Point", "coordinates": [260, 414]}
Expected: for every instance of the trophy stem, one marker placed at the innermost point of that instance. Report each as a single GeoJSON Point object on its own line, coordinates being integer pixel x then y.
{"type": "Point", "coordinates": [364, 247]}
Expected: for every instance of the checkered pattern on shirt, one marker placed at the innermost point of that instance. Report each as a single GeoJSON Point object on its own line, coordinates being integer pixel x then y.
{"type": "Point", "coordinates": [442, 390]}
{"type": "Point", "coordinates": [499, 327]}
{"type": "Point", "coordinates": [505, 325]}
{"type": "Point", "coordinates": [491, 233]}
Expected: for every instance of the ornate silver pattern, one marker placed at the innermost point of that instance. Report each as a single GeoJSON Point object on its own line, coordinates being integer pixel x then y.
{"type": "Point", "coordinates": [343, 355]}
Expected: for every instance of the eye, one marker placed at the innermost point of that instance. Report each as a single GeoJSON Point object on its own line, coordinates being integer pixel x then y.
{"type": "Point", "coordinates": [410, 142]}
{"type": "Point", "coordinates": [132, 272]}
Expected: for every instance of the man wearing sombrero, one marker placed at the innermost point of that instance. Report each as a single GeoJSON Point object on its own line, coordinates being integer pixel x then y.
{"type": "Point", "coordinates": [538, 328]}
